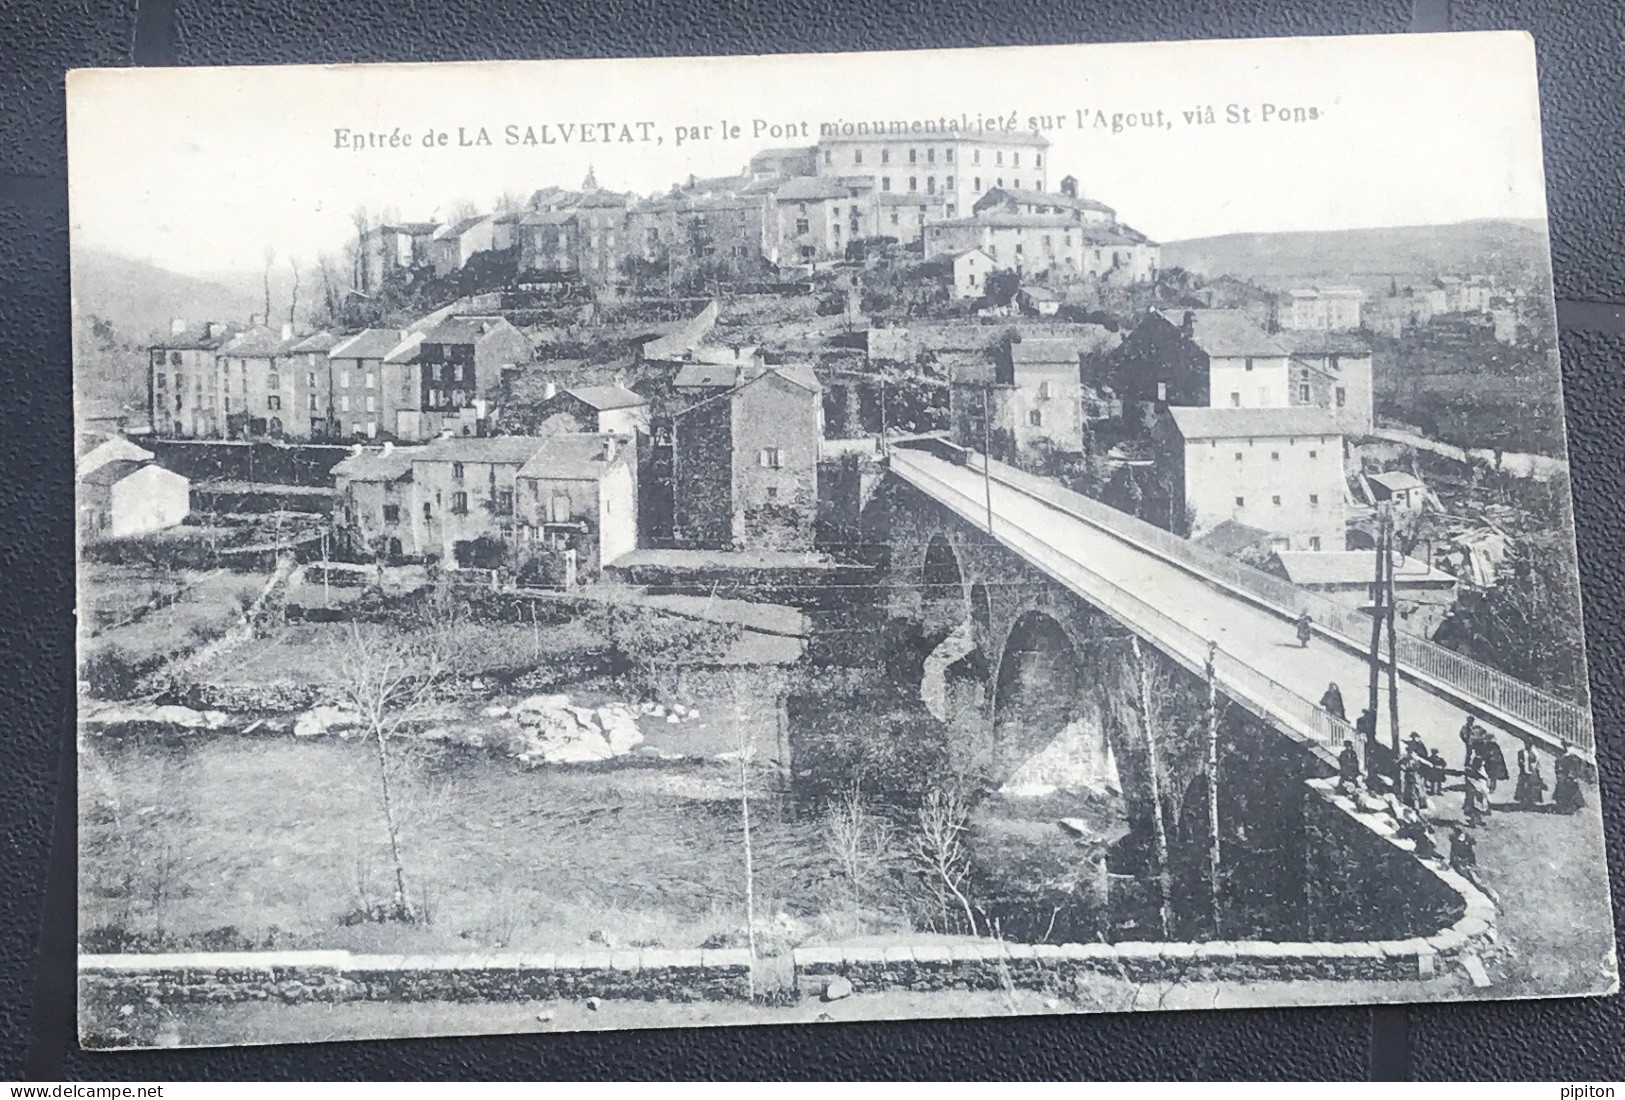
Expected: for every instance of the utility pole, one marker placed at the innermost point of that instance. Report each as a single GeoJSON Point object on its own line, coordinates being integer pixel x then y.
{"type": "Point", "coordinates": [1379, 591]}
{"type": "Point", "coordinates": [1393, 647]}
{"type": "Point", "coordinates": [1215, 888]}
{"type": "Point", "coordinates": [987, 450]}
{"type": "Point", "coordinates": [1143, 705]}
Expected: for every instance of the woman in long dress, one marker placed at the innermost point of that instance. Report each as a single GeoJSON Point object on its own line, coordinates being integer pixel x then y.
{"type": "Point", "coordinates": [1475, 804]}
{"type": "Point", "coordinates": [1567, 797]}
{"type": "Point", "coordinates": [1495, 762]}
{"type": "Point", "coordinates": [1531, 786]}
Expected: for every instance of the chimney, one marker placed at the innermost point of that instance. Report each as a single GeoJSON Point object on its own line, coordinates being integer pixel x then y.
{"type": "Point", "coordinates": [389, 446]}
{"type": "Point", "coordinates": [177, 325]}
{"type": "Point", "coordinates": [356, 448]}
{"type": "Point", "coordinates": [1187, 326]}
{"type": "Point", "coordinates": [550, 391]}
{"type": "Point", "coordinates": [287, 330]}
{"type": "Point", "coordinates": [1069, 186]}
{"type": "Point", "coordinates": [610, 445]}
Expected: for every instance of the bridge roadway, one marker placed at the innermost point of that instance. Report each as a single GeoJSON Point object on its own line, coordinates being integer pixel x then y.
{"type": "Point", "coordinates": [1178, 611]}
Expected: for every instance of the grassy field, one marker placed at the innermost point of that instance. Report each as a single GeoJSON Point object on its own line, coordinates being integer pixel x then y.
{"type": "Point", "coordinates": [135, 618]}
{"type": "Point", "coordinates": [240, 841]}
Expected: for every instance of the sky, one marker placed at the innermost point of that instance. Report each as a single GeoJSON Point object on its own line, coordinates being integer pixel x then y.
{"type": "Point", "coordinates": [203, 170]}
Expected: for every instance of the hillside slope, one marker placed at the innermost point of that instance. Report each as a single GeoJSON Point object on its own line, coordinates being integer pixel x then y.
{"type": "Point", "coordinates": [1370, 258]}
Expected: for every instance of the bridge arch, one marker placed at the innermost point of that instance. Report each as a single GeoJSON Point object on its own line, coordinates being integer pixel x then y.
{"type": "Point", "coordinates": [943, 601]}
{"type": "Point", "coordinates": [1038, 691]}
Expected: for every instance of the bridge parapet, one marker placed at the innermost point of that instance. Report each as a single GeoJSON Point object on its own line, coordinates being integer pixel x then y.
{"type": "Point", "coordinates": [1493, 693]}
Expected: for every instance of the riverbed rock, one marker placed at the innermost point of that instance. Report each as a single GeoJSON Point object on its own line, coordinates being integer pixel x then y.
{"type": "Point", "coordinates": [537, 703]}
{"type": "Point", "coordinates": [838, 989]}
{"type": "Point", "coordinates": [495, 710]}
{"type": "Point", "coordinates": [620, 728]}
{"type": "Point", "coordinates": [322, 720]}
{"type": "Point", "coordinates": [588, 747]}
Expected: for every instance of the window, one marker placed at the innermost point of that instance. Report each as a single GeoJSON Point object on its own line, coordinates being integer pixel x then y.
{"type": "Point", "coordinates": [273, 381]}
{"type": "Point", "coordinates": [976, 184]}
{"type": "Point", "coordinates": [459, 502]}
{"type": "Point", "coordinates": [158, 380]}
{"type": "Point", "coordinates": [558, 508]}
{"type": "Point", "coordinates": [885, 156]}
{"type": "Point", "coordinates": [857, 156]}
{"type": "Point", "coordinates": [344, 402]}
{"type": "Point", "coordinates": [1238, 456]}
{"type": "Point", "coordinates": [1235, 400]}
{"type": "Point", "coordinates": [770, 458]}
{"type": "Point", "coordinates": [829, 157]}
{"type": "Point", "coordinates": [1314, 542]}
{"type": "Point", "coordinates": [948, 185]}
{"type": "Point", "coordinates": [392, 513]}
{"type": "Point", "coordinates": [310, 379]}
{"type": "Point", "coordinates": [1275, 501]}
{"type": "Point", "coordinates": [428, 511]}
{"type": "Point", "coordinates": [772, 492]}
{"type": "Point", "coordinates": [998, 157]}
{"type": "Point", "coordinates": [1314, 454]}
{"type": "Point", "coordinates": [1038, 161]}
{"type": "Point", "coordinates": [1162, 391]}
{"type": "Point", "coordinates": [1043, 391]}
{"type": "Point", "coordinates": [372, 403]}
{"type": "Point", "coordinates": [274, 403]}
{"type": "Point", "coordinates": [175, 358]}
{"type": "Point", "coordinates": [344, 379]}
{"type": "Point", "coordinates": [930, 185]}
{"type": "Point", "coordinates": [1275, 456]}
{"type": "Point", "coordinates": [1036, 418]}
{"type": "Point", "coordinates": [504, 502]}
{"type": "Point", "coordinates": [1303, 394]}
{"type": "Point", "coordinates": [931, 156]}
{"type": "Point", "coordinates": [1314, 500]}
{"type": "Point", "coordinates": [228, 404]}
{"type": "Point", "coordinates": [913, 183]}
{"type": "Point", "coordinates": [1015, 160]}
{"type": "Point", "coordinates": [456, 372]}
{"type": "Point", "coordinates": [1241, 502]}
{"type": "Point", "coordinates": [372, 380]}
{"type": "Point", "coordinates": [802, 227]}
{"type": "Point", "coordinates": [885, 183]}
{"type": "Point", "coordinates": [457, 470]}
{"type": "Point", "coordinates": [913, 156]}
{"type": "Point", "coordinates": [1342, 397]}
{"type": "Point", "coordinates": [311, 402]}
{"type": "Point", "coordinates": [1249, 363]}
{"type": "Point", "coordinates": [895, 219]}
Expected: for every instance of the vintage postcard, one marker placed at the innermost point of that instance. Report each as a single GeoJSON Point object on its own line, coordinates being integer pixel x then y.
{"type": "Point", "coordinates": [671, 542]}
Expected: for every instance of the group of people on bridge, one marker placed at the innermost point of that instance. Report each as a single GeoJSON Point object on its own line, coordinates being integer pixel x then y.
{"type": "Point", "coordinates": [1410, 779]}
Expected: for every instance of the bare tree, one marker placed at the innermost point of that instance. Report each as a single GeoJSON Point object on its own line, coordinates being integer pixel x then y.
{"type": "Point", "coordinates": [360, 275]}
{"type": "Point", "coordinates": [331, 298]}
{"type": "Point", "coordinates": [270, 258]}
{"type": "Point", "coordinates": [746, 752]}
{"type": "Point", "coordinates": [939, 852]}
{"type": "Point", "coordinates": [293, 295]}
{"type": "Point", "coordinates": [387, 681]}
{"type": "Point", "coordinates": [861, 843]}
{"type": "Point", "coordinates": [509, 202]}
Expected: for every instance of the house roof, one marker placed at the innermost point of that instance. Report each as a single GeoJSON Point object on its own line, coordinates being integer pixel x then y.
{"type": "Point", "coordinates": [942, 136]}
{"type": "Point", "coordinates": [1326, 292]}
{"type": "Point", "coordinates": [320, 341]}
{"type": "Point", "coordinates": [799, 373]}
{"type": "Point", "coordinates": [512, 450]}
{"type": "Point", "coordinates": [1397, 481]}
{"type": "Point", "coordinates": [909, 198]}
{"type": "Point", "coordinates": [1226, 333]}
{"type": "Point", "coordinates": [407, 350]}
{"type": "Point", "coordinates": [604, 398]}
{"type": "Point", "coordinates": [1314, 341]}
{"type": "Point", "coordinates": [390, 465]}
{"type": "Point", "coordinates": [371, 343]}
{"type": "Point", "coordinates": [707, 375]}
{"type": "Point", "coordinates": [1352, 567]}
{"type": "Point", "coordinates": [198, 337]}
{"type": "Point", "coordinates": [463, 330]}
{"type": "Point", "coordinates": [115, 448]}
{"type": "Point", "coordinates": [1230, 537]}
{"type": "Point", "coordinates": [575, 456]}
{"type": "Point", "coordinates": [1205, 423]}
{"type": "Point", "coordinates": [413, 229]}
{"type": "Point", "coordinates": [458, 228]}
{"type": "Point", "coordinates": [1040, 293]}
{"type": "Point", "coordinates": [1048, 349]}
{"type": "Point", "coordinates": [256, 342]}
{"type": "Point", "coordinates": [1027, 197]}
{"type": "Point", "coordinates": [111, 473]}
{"type": "Point", "coordinates": [811, 189]}
{"type": "Point", "coordinates": [548, 217]}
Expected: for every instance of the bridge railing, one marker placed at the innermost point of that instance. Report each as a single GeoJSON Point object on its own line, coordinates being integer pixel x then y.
{"type": "Point", "coordinates": [1234, 677]}
{"type": "Point", "coordinates": [1562, 719]}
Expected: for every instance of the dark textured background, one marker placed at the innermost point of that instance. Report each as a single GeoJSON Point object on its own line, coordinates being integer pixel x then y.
{"type": "Point", "coordinates": [1582, 87]}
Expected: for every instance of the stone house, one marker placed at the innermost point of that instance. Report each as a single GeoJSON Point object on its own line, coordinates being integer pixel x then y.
{"type": "Point", "coordinates": [460, 362]}
{"type": "Point", "coordinates": [123, 497]}
{"type": "Point", "coordinates": [610, 408]}
{"type": "Point", "coordinates": [372, 505]}
{"type": "Point", "coordinates": [463, 497]}
{"type": "Point", "coordinates": [577, 501]}
{"type": "Point", "coordinates": [365, 390]}
{"type": "Point", "coordinates": [183, 380]}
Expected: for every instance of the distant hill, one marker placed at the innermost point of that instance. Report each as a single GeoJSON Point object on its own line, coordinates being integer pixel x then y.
{"type": "Point", "coordinates": [1370, 258]}
{"type": "Point", "coordinates": [140, 298]}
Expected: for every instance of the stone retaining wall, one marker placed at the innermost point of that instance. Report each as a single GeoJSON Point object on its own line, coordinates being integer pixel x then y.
{"type": "Point", "coordinates": [1457, 919]}
{"type": "Point", "coordinates": [294, 976]}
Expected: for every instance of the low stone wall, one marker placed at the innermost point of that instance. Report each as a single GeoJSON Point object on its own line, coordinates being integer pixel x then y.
{"type": "Point", "coordinates": [297, 976]}
{"type": "Point", "coordinates": [1354, 861]}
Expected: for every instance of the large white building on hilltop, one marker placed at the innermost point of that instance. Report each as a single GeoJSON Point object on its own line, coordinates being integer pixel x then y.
{"type": "Point", "coordinates": [956, 165]}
